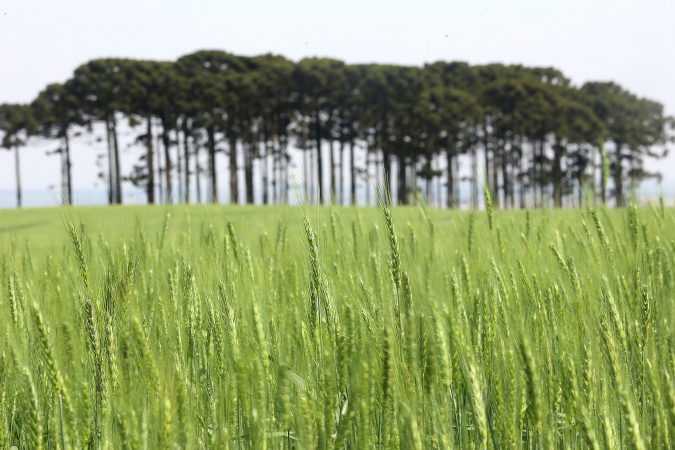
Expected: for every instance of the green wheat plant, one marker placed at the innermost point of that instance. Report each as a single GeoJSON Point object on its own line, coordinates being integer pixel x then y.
{"type": "Point", "coordinates": [216, 327]}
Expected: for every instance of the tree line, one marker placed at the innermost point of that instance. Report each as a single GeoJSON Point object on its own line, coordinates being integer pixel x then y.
{"type": "Point", "coordinates": [527, 133]}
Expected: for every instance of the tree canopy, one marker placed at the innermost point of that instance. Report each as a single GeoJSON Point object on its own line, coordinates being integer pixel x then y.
{"type": "Point", "coordinates": [527, 133]}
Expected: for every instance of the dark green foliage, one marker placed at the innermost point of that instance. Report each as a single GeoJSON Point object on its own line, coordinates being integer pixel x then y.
{"type": "Point", "coordinates": [540, 136]}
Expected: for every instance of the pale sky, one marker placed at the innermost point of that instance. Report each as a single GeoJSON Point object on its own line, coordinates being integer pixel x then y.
{"type": "Point", "coordinates": [630, 42]}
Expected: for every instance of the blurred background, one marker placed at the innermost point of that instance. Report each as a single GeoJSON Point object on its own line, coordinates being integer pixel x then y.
{"type": "Point", "coordinates": [543, 84]}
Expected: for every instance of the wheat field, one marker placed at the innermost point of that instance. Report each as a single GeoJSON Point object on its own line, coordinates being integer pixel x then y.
{"type": "Point", "coordinates": [253, 328]}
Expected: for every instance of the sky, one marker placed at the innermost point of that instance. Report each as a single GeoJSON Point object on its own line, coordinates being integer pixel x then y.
{"type": "Point", "coordinates": [629, 42]}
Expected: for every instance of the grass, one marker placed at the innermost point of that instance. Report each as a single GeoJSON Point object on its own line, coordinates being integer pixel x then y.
{"type": "Point", "coordinates": [219, 327]}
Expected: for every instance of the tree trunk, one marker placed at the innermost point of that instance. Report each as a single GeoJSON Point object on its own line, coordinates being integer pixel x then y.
{"type": "Point", "coordinates": [333, 181]}
{"type": "Point", "coordinates": [352, 172]}
{"type": "Point", "coordinates": [535, 173]}
{"type": "Point", "coordinates": [64, 181]}
{"type": "Point", "coordinates": [306, 175]}
{"type": "Point", "coordinates": [150, 187]}
{"type": "Point", "coordinates": [118, 169]}
{"type": "Point", "coordinates": [198, 172]}
{"type": "Point", "coordinates": [306, 172]}
{"type": "Point", "coordinates": [212, 163]}
{"type": "Point", "coordinates": [168, 165]}
{"type": "Point", "coordinates": [234, 187]}
{"type": "Point", "coordinates": [111, 189]}
{"type": "Point", "coordinates": [474, 176]}
{"type": "Point", "coordinates": [455, 179]}
{"type": "Point", "coordinates": [186, 159]}
{"type": "Point", "coordinates": [276, 172]}
{"type": "Point", "coordinates": [523, 169]}
{"type": "Point", "coordinates": [429, 183]}
{"type": "Point", "coordinates": [540, 179]}
{"type": "Point", "coordinates": [18, 176]}
{"type": "Point", "coordinates": [341, 172]}
{"type": "Point", "coordinates": [386, 167]}
{"type": "Point", "coordinates": [618, 176]}
{"type": "Point", "coordinates": [271, 171]}
{"type": "Point", "coordinates": [505, 175]}
{"type": "Point", "coordinates": [513, 171]}
{"type": "Point", "coordinates": [313, 185]}
{"type": "Point", "coordinates": [603, 181]}
{"type": "Point", "coordinates": [593, 179]}
{"type": "Point", "coordinates": [319, 157]}
{"type": "Point", "coordinates": [429, 191]}
{"type": "Point", "coordinates": [557, 175]}
{"type": "Point", "coordinates": [495, 175]}
{"type": "Point", "coordinates": [402, 187]}
{"type": "Point", "coordinates": [249, 174]}
{"type": "Point", "coordinates": [69, 180]}
{"type": "Point", "coordinates": [370, 156]}
{"type": "Point", "coordinates": [179, 166]}
{"type": "Point", "coordinates": [158, 154]}
{"type": "Point", "coordinates": [451, 179]}
{"type": "Point", "coordinates": [283, 172]}
{"type": "Point", "coordinates": [264, 172]}
{"type": "Point", "coordinates": [439, 191]}
{"type": "Point", "coordinates": [412, 185]}
{"type": "Point", "coordinates": [488, 165]}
